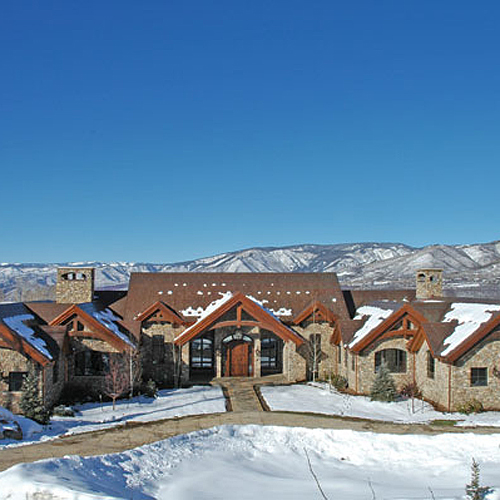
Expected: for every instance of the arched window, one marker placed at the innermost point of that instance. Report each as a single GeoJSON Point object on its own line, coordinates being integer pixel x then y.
{"type": "Point", "coordinates": [421, 278]}
{"type": "Point", "coordinates": [393, 359]}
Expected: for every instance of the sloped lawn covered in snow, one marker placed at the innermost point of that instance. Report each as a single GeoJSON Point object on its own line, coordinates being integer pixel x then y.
{"type": "Point", "coordinates": [249, 462]}
{"type": "Point", "coordinates": [319, 398]}
{"type": "Point", "coordinates": [170, 403]}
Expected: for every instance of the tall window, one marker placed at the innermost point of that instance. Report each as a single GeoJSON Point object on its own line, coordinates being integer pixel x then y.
{"type": "Point", "coordinates": [270, 353]}
{"type": "Point", "coordinates": [478, 377]}
{"type": "Point", "coordinates": [202, 353]}
{"type": "Point", "coordinates": [55, 372]}
{"type": "Point", "coordinates": [431, 365]}
{"type": "Point", "coordinates": [91, 363]}
{"type": "Point", "coordinates": [393, 359]}
{"type": "Point", "coordinates": [158, 349]}
{"type": "Point", "coordinates": [16, 380]}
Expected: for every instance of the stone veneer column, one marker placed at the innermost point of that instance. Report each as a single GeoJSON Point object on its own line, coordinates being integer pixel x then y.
{"type": "Point", "coordinates": [256, 357]}
{"type": "Point", "coordinates": [185, 363]}
{"type": "Point", "coordinates": [218, 360]}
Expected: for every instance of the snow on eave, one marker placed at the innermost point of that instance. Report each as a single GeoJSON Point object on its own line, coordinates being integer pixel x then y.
{"type": "Point", "coordinates": [271, 313]}
{"type": "Point", "coordinates": [108, 319]}
{"type": "Point", "coordinates": [470, 316]}
{"type": "Point", "coordinates": [374, 315]}
{"type": "Point", "coordinates": [213, 306]}
{"type": "Point", "coordinates": [17, 325]}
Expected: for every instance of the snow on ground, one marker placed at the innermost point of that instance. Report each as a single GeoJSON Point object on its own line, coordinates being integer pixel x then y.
{"type": "Point", "coordinates": [318, 398]}
{"type": "Point", "coordinates": [248, 462]}
{"type": "Point", "coordinates": [95, 416]}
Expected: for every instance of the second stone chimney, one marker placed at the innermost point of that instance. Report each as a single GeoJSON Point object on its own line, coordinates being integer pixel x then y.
{"type": "Point", "coordinates": [429, 283]}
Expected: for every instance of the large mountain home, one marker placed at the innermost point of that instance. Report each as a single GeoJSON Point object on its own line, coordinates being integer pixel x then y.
{"type": "Point", "coordinates": [182, 328]}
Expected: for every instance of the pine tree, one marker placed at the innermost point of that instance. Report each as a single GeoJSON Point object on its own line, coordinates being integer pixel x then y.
{"type": "Point", "coordinates": [31, 403]}
{"type": "Point", "coordinates": [383, 388]}
{"type": "Point", "coordinates": [474, 490]}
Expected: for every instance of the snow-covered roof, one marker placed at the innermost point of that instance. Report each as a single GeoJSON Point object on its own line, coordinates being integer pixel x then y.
{"type": "Point", "coordinates": [470, 316]}
{"type": "Point", "coordinates": [17, 324]}
{"type": "Point", "coordinates": [107, 318]}
{"type": "Point", "coordinates": [374, 315]}
{"type": "Point", "coordinates": [203, 313]}
{"type": "Point", "coordinates": [216, 304]}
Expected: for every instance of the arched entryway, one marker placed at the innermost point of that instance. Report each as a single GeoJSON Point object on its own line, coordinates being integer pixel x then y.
{"type": "Point", "coordinates": [237, 356]}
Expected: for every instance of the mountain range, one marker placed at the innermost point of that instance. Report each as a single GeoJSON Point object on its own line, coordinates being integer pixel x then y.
{"type": "Point", "coordinates": [469, 270]}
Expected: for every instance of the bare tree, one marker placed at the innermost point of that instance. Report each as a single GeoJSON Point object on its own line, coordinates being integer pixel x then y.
{"type": "Point", "coordinates": [117, 380]}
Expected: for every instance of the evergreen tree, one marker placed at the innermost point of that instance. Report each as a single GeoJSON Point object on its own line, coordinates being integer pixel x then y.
{"type": "Point", "coordinates": [31, 403]}
{"type": "Point", "coordinates": [383, 388]}
{"type": "Point", "coordinates": [474, 490]}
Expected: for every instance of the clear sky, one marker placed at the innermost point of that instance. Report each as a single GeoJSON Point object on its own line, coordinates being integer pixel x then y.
{"type": "Point", "coordinates": [163, 131]}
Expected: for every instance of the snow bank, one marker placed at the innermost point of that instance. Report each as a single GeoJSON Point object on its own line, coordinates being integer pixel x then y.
{"type": "Point", "coordinates": [248, 462]}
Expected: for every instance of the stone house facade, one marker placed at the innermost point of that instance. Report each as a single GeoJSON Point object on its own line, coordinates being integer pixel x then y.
{"type": "Point", "coordinates": [185, 328]}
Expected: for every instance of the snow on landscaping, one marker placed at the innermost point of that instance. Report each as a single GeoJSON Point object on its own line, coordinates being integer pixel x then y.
{"type": "Point", "coordinates": [248, 462]}
{"type": "Point", "coordinates": [470, 317]}
{"type": "Point", "coordinates": [170, 403]}
{"type": "Point", "coordinates": [16, 323]}
{"type": "Point", "coordinates": [374, 316]}
{"type": "Point", "coordinates": [319, 398]}
{"type": "Point", "coordinates": [28, 427]}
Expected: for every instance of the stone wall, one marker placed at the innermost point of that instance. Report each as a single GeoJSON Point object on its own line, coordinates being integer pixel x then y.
{"type": "Point", "coordinates": [160, 369]}
{"type": "Point", "coordinates": [10, 361]}
{"type": "Point", "coordinates": [434, 389]}
{"type": "Point", "coordinates": [327, 359]}
{"type": "Point", "coordinates": [485, 355]}
{"type": "Point", "coordinates": [13, 361]}
{"type": "Point", "coordinates": [366, 365]}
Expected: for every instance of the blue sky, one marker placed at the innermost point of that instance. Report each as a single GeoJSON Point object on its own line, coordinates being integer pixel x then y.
{"type": "Point", "coordinates": [164, 131]}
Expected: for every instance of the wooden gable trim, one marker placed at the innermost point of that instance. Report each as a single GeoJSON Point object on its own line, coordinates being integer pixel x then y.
{"type": "Point", "coordinates": [475, 338]}
{"type": "Point", "coordinates": [264, 319]}
{"type": "Point", "coordinates": [336, 337]}
{"type": "Point", "coordinates": [100, 331]}
{"type": "Point", "coordinates": [172, 316]}
{"type": "Point", "coordinates": [385, 326]}
{"type": "Point", "coordinates": [310, 310]}
{"type": "Point", "coordinates": [18, 344]}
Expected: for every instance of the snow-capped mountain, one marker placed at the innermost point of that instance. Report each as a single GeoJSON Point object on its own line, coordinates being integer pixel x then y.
{"type": "Point", "coordinates": [472, 269]}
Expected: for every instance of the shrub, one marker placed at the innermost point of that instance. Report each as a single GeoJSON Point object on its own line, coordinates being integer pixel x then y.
{"type": "Point", "coordinates": [31, 403]}
{"type": "Point", "coordinates": [474, 490]}
{"type": "Point", "coordinates": [339, 382]}
{"type": "Point", "coordinates": [410, 390]}
{"type": "Point", "coordinates": [471, 406]}
{"type": "Point", "coordinates": [63, 411]}
{"type": "Point", "coordinates": [383, 388]}
{"type": "Point", "coordinates": [149, 389]}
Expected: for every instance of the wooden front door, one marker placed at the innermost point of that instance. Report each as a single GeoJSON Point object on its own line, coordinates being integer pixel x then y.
{"type": "Point", "coordinates": [238, 359]}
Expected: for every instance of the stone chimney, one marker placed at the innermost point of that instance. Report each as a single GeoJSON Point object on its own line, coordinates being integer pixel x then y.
{"type": "Point", "coordinates": [75, 285]}
{"type": "Point", "coordinates": [429, 283]}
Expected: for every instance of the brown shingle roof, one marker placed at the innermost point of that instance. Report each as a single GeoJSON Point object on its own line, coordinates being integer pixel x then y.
{"type": "Point", "coordinates": [436, 333]}
{"type": "Point", "coordinates": [180, 291]}
{"type": "Point", "coordinates": [47, 311]}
